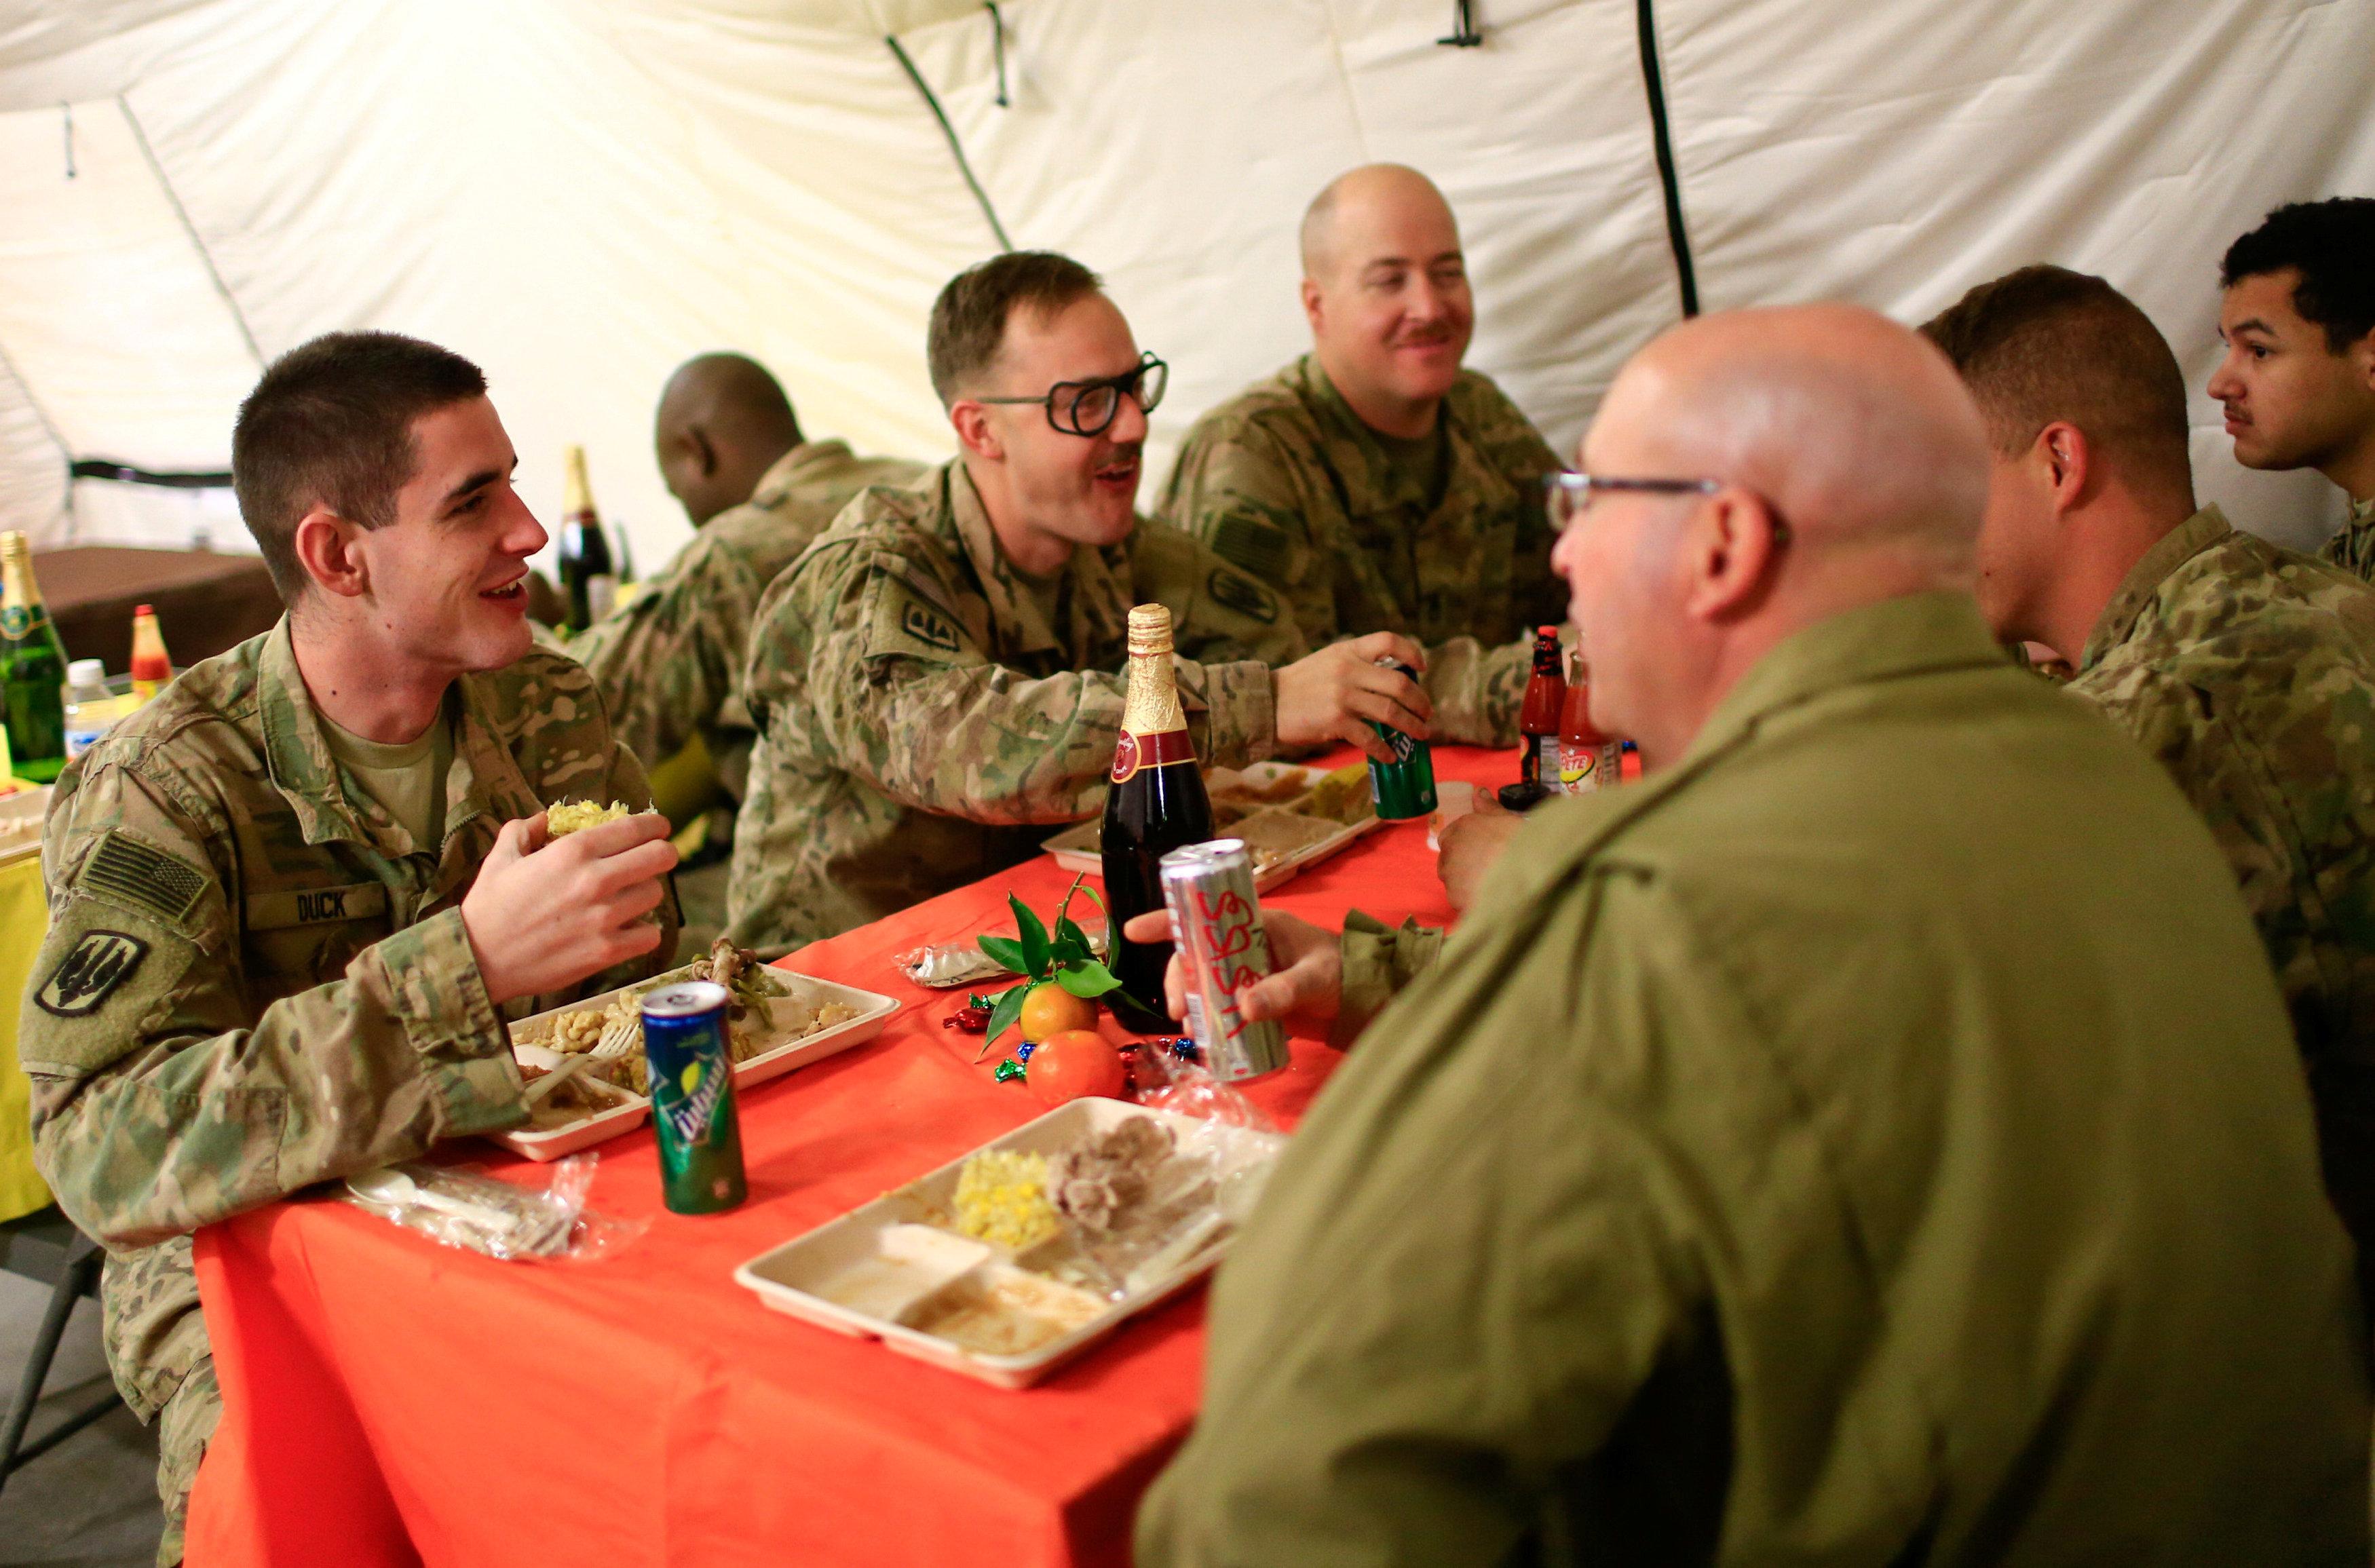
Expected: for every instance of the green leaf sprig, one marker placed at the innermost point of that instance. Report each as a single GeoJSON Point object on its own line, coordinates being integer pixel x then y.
{"type": "Point", "coordinates": [1034, 952]}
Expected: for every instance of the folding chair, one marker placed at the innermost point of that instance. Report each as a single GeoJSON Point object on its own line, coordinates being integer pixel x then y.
{"type": "Point", "coordinates": [45, 1246]}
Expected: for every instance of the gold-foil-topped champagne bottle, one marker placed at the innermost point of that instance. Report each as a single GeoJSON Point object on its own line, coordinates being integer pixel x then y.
{"type": "Point", "coordinates": [32, 668]}
{"type": "Point", "coordinates": [1156, 804]}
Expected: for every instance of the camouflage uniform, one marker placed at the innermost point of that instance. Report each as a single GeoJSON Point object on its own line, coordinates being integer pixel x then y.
{"type": "Point", "coordinates": [1286, 481]}
{"type": "Point", "coordinates": [254, 979]}
{"type": "Point", "coordinates": [668, 661]}
{"type": "Point", "coordinates": [2353, 549]}
{"type": "Point", "coordinates": [2249, 672]}
{"type": "Point", "coordinates": [923, 720]}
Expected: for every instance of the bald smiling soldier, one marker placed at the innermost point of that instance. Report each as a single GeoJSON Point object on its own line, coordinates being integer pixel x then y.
{"type": "Point", "coordinates": [1376, 485]}
{"type": "Point", "coordinates": [1875, 1139]}
{"type": "Point", "coordinates": [668, 661]}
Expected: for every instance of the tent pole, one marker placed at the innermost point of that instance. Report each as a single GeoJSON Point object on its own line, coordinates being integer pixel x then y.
{"type": "Point", "coordinates": [955, 146]}
{"type": "Point", "coordinates": [239, 317]}
{"type": "Point", "coordinates": [1669, 182]}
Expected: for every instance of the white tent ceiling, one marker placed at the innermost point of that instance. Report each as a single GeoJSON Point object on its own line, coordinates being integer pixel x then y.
{"type": "Point", "coordinates": [579, 193]}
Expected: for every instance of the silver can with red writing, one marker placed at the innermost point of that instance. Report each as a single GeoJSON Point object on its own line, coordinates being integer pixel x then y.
{"type": "Point", "coordinates": [1209, 888]}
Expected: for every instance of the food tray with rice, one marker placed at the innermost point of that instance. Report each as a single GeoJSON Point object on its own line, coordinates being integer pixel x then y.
{"type": "Point", "coordinates": [1006, 1264]}
{"type": "Point", "coordinates": [1290, 818]}
{"type": "Point", "coordinates": [20, 823]}
{"type": "Point", "coordinates": [776, 1022]}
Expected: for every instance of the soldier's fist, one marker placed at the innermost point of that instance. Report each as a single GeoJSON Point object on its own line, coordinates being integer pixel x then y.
{"type": "Point", "coordinates": [1334, 693]}
{"type": "Point", "coordinates": [545, 915]}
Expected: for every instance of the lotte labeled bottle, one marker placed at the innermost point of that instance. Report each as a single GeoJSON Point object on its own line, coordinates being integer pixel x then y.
{"type": "Point", "coordinates": [586, 575]}
{"type": "Point", "coordinates": [1588, 759]}
{"type": "Point", "coordinates": [1156, 803]}
{"type": "Point", "coordinates": [32, 668]}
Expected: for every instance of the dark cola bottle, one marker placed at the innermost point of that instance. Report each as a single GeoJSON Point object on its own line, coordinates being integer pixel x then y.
{"type": "Point", "coordinates": [1156, 804]}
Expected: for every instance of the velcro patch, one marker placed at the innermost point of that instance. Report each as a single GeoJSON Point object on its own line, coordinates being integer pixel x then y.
{"type": "Point", "coordinates": [91, 972]}
{"type": "Point", "coordinates": [1233, 590]}
{"type": "Point", "coordinates": [905, 623]}
{"type": "Point", "coordinates": [314, 906]}
{"type": "Point", "coordinates": [1259, 547]}
{"type": "Point", "coordinates": [143, 877]}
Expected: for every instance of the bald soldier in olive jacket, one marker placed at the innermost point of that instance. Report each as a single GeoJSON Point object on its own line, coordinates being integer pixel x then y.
{"type": "Point", "coordinates": [1872, 1140]}
{"type": "Point", "coordinates": [938, 678]}
{"type": "Point", "coordinates": [294, 899]}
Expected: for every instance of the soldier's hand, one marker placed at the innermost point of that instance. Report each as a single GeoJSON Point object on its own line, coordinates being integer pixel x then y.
{"type": "Point", "coordinates": [1333, 694]}
{"type": "Point", "coordinates": [1471, 844]}
{"type": "Point", "coordinates": [1306, 979]}
{"type": "Point", "coordinates": [543, 915]}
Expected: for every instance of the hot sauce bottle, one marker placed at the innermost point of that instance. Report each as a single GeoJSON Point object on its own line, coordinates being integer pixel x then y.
{"type": "Point", "coordinates": [1538, 727]}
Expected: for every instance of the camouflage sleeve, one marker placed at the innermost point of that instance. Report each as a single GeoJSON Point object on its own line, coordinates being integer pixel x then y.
{"type": "Point", "coordinates": [667, 659]}
{"type": "Point", "coordinates": [1239, 488]}
{"type": "Point", "coordinates": [898, 693]}
{"type": "Point", "coordinates": [1478, 692]}
{"type": "Point", "coordinates": [1379, 961]}
{"type": "Point", "coordinates": [2353, 549]}
{"type": "Point", "coordinates": [162, 1100]}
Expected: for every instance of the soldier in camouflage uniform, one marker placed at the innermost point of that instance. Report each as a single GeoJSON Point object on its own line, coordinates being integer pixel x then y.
{"type": "Point", "coordinates": [1373, 482]}
{"type": "Point", "coordinates": [668, 661]}
{"type": "Point", "coordinates": [259, 974]}
{"type": "Point", "coordinates": [2248, 670]}
{"type": "Point", "coordinates": [938, 678]}
{"type": "Point", "coordinates": [2298, 379]}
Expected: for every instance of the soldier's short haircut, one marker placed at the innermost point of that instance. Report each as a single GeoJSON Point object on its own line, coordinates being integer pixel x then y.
{"type": "Point", "coordinates": [2045, 343]}
{"type": "Point", "coordinates": [2332, 245]}
{"type": "Point", "coordinates": [969, 318]}
{"type": "Point", "coordinates": [331, 424]}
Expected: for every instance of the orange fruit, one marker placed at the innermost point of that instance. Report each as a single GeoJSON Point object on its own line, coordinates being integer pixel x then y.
{"type": "Point", "coordinates": [1076, 1062]}
{"type": "Point", "coordinates": [1048, 1009]}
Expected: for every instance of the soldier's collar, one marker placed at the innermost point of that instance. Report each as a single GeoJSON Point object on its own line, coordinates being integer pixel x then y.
{"type": "Point", "coordinates": [1912, 634]}
{"type": "Point", "coordinates": [2179, 545]}
{"type": "Point", "coordinates": [1336, 417]}
{"type": "Point", "coordinates": [793, 466]}
{"type": "Point", "coordinates": [1099, 578]}
{"type": "Point", "coordinates": [296, 749]}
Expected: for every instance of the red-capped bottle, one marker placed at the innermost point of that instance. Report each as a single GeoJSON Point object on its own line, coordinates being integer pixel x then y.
{"type": "Point", "coordinates": [1588, 759]}
{"type": "Point", "coordinates": [1156, 804]}
{"type": "Point", "coordinates": [1537, 723]}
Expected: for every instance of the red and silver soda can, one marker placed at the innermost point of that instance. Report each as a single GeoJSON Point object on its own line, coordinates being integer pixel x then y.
{"type": "Point", "coordinates": [1209, 888]}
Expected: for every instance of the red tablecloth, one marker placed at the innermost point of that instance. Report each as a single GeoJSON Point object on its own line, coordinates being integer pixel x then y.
{"type": "Point", "coordinates": [390, 1401]}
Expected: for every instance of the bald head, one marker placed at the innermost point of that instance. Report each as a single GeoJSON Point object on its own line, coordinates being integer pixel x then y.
{"type": "Point", "coordinates": [723, 422]}
{"type": "Point", "coordinates": [1846, 464]}
{"type": "Point", "coordinates": [1857, 431]}
{"type": "Point", "coordinates": [1385, 287]}
{"type": "Point", "coordinates": [1342, 221]}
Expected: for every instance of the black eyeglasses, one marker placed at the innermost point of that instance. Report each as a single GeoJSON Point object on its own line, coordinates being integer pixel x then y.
{"type": "Point", "coordinates": [1086, 408]}
{"type": "Point", "coordinates": [1567, 494]}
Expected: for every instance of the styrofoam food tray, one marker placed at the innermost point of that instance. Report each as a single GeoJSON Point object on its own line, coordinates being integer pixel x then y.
{"type": "Point", "coordinates": [783, 1274]}
{"type": "Point", "coordinates": [874, 1011]}
{"type": "Point", "coordinates": [34, 802]}
{"type": "Point", "coordinates": [1075, 849]}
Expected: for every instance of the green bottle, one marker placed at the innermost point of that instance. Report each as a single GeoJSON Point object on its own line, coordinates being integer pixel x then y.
{"type": "Point", "coordinates": [32, 668]}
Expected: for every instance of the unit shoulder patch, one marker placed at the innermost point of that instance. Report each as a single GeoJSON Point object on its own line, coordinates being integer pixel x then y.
{"type": "Point", "coordinates": [1235, 591]}
{"type": "Point", "coordinates": [98, 962]}
{"type": "Point", "coordinates": [905, 623]}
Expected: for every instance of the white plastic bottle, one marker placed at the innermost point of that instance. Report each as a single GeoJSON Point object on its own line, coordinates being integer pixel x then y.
{"type": "Point", "coordinates": [90, 708]}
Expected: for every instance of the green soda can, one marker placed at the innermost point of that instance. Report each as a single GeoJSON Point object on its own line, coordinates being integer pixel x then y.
{"type": "Point", "coordinates": [1404, 788]}
{"type": "Point", "coordinates": [692, 1097]}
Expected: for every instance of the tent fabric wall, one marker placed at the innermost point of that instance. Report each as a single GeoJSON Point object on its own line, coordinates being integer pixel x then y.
{"type": "Point", "coordinates": [579, 193]}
